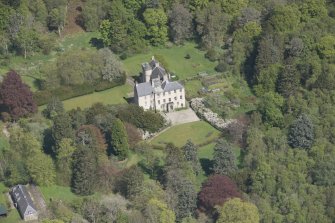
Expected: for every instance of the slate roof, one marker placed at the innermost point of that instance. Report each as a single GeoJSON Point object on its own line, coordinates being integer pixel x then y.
{"type": "Point", "coordinates": [143, 89]}
{"type": "Point", "coordinates": [23, 200]}
{"type": "Point", "coordinates": [146, 88]}
{"type": "Point", "coordinates": [153, 63]}
{"type": "Point", "coordinates": [170, 86]}
{"type": "Point", "coordinates": [146, 66]}
{"type": "Point", "coordinates": [158, 72]}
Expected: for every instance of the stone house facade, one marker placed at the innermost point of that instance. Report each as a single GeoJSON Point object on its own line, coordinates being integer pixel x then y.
{"type": "Point", "coordinates": [157, 92]}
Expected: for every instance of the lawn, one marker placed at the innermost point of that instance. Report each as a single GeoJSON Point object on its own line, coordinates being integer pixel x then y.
{"type": "Point", "coordinates": [3, 199]}
{"type": "Point", "coordinates": [58, 193]}
{"type": "Point", "coordinates": [199, 132]}
{"type": "Point", "coordinates": [13, 217]}
{"type": "Point", "coordinates": [192, 87]}
{"type": "Point", "coordinates": [114, 95]}
{"type": "Point", "coordinates": [175, 59]}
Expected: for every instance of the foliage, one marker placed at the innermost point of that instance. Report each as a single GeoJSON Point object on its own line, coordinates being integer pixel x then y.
{"type": "Point", "coordinates": [156, 20]}
{"type": "Point", "coordinates": [84, 171]}
{"type": "Point", "coordinates": [131, 182]}
{"type": "Point", "coordinates": [270, 109]}
{"type": "Point", "coordinates": [54, 108]}
{"type": "Point", "coordinates": [41, 169]}
{"type": "Point", "coordinates": [121, 30]}
{"type": "Point", "coordinates": [180, 21]}
{"type": "Point", "coordinates": [235, 210]}
{"type": "Point", "coordinates": [119, 140]}
{"type": "Point", "coordinates": [212, 24]}
{"type": "Point", "coordinates": [301, 133]}
{"type": "Point", "coordinates": [224, 161]}
{"type": "Point", "coordinates": [217, 190]}
{"type": "Point", "coordinates": [146, 120]}
{"type": "Point", "coordinates": [62, 128]}
{"type": "Point", "coordinates": [191, 155]}
{"type": "Point", "coordinates": [158, 211]}
{"type": "Point", "coordinates": [16, 97]}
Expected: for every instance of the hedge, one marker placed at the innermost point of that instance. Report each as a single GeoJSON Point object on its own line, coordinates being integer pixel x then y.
{"type": "Point", "coordinates": [66, 92]}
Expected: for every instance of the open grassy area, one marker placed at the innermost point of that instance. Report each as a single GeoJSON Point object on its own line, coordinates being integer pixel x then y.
{"type": "Point", "coordinates": [114, 95]}
{"type": "Point", "coordinates": [199, 132]}
{"type": "Point", "coordinates": [13, 217]}
{"type": "Point", "coordinates": [58, 193]}
{"type": "Point", "coordinates": [175, 59]}
{"type": "Point", "coordinates": [192, 87]}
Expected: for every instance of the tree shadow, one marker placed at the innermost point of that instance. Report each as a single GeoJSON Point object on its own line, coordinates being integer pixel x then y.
{"type": "Point", "coordinates": [207, 166]}
{"type": "Point", "coordinates": [137, 78]}
{"type": "Point", "coordinates": [129, 100]}
{"type": "Point", "coordinates": [97, 43]}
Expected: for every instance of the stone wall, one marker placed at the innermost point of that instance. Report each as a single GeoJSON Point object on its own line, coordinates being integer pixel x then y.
{"type": "Point", "coordinates": [212, 118]}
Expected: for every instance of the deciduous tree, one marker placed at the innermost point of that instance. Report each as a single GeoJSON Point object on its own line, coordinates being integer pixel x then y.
{"type": "Point", "coordinates": [156, 22]}
{"type": "Point", "coordinates": [16, 97]}
{"type": "Point", "coordinates": [237, 211]}
{"type": "Point", "coordinates": [180, 23]}
{"type": "Point", "coordinates": [216, 191]}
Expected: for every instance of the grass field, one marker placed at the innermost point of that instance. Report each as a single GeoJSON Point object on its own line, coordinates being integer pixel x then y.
{"type": "Point", "coordinates": [175, 59]}
{"type": "Point", "coordinates": [114, 95]}
{"type": "Point", "coordinates": [199, 132]}
{"type": "Point", "coordinates": [13, 217]}
{"type": "Point", "coordinates": [58, 193]}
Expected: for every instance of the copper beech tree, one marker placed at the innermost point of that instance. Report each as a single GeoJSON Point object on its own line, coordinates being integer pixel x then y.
{"type": "Point", "coordinates": [216, 191]}
{"type": "Point", "coordinates": [16, 99]}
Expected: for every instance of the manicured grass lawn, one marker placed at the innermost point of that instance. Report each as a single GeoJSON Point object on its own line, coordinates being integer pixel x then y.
{"type": "Point", "coordinates": [58, 193]}
{"type": "Point", "coordinates": [111, 96]}
{"type": "Point", "coordinates": [174, 57]}
{"type": "Point", "coordinates": [199, 132]}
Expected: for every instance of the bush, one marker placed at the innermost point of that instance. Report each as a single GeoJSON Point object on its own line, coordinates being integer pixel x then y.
{"type": "Point", "coordinates": [212, 55]}
{"type": "Point", "coordinates": [222, 67]}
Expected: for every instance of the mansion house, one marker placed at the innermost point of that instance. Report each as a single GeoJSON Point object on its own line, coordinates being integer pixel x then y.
{"type": "Point", "coordinates": [156, 91]}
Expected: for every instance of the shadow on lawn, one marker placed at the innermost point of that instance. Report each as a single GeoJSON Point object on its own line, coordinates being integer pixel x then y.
{"type": "Point", "coordinates": [207, 165]}
{"type": "Point", "coordinates": [97, 43]}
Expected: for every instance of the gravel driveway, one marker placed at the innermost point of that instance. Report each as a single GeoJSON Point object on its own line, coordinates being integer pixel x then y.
{"type": "Point", "coordinates": [183, 116]}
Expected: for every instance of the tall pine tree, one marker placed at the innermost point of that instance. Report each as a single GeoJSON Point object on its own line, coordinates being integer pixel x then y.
{"type": "Point", "coordinates": [223, 159]}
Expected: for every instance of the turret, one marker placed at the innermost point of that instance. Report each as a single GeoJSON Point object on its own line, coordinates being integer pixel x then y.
{"type": "Point", "coordinates": [146, 72]}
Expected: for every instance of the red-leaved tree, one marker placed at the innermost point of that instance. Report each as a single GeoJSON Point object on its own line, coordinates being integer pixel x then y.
{"type": "Point", "coordinates": [215, 191]}
{"type": "Point", "coordinates": [15, 97]}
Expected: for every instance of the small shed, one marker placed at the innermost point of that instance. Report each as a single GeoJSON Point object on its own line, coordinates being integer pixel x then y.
{"type": "Point", "coordinates": [3, 210]}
